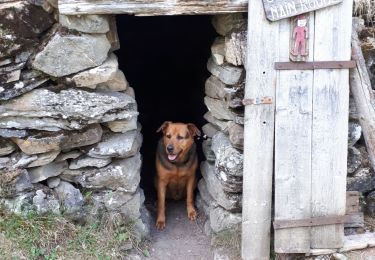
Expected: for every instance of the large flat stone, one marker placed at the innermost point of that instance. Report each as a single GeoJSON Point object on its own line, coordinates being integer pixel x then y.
{"type": "Point", "coordinates": [6, 147]}
{"type": "Point", "coordinates": [225, 23]}
{"type": "Point", "coordinates": [102, 73]}
{"type": "Point", "coordinates": [44, 158]}
{"type": "Point", "coordinates": [123, 126]}
{"type": "Point", "coordinates": [236, 135]}
{"type": "Point", "coordinates": [117, 83]}
{"type": "Point", "coordinates": [56, 141]}
{"type": "Point", "coordinates": [70, 197]}
{"type": "Point", "coordinates": [221, 125]}
{"type": "Point", "coordinates": [44, 172]}
{"type": "Point", "coordinates": [121, 145]}
{"type": "Point", "coordinates": [92, 23]}
{"type": "Point", "coordinates": [222, 220]}
{"type": "Point", "coordinates": [219, 109]}
{"type": "Point", "coordinates": [66, 54]}
{"type": "Point", "coordinates": [229, 201]}
{"type": "Point", "coordinates": [227, 73]}
{"type": "Point", "coordinates": [229, 160]}
{"type": "Point", "coordinates": [45, 201]}
{"type": "Point", "coordinates": [87, 161]}
{"type": "Point", "coordinates": [235, 46]}
{"type": "Point", "coordinates": [121, 174]}
{"type": "Point", "coordinates": [210, 130]}
{"type": "Point", "coordinates": [363, 181]}
{"type": "Point", "coordinates": [218, 50]}
{"type": "Point", "coordinates": [207, 151]}
{"type": "Point", "coordinates": [15, 89]}
{"type": "Point", "coordinates": [43, 109]}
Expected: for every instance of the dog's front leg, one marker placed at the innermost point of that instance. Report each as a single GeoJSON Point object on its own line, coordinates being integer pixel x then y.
{"type": "Point", "coordinates": [160, 221]}
{"type": "Point", "coordinates": [192, 214]}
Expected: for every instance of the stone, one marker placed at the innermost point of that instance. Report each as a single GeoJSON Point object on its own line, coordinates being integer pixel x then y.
{"type": "Point", "coordinates": [87, 161]}
{"type": "Point", "coordinates": [229, 161]}
{"type": "Point", "coordinates": [225, 23]}
{"type": "Point", "coordinates": [56, 141]}
{"type": "Point", "coordinates": [112, 34]}
{"type": "Point", "coordinates": [123, 126]}
{"type": "Point", "coordinates": [338, 256]}
{"type": "Point", "coordinates": [205, 195]}
{"type": "Point", "coordinates": [354, 159]}
{"type": "Point", "coordinates": [43, 159]}
{"type": "Point", "coordinates": [8, 133]}
{"type": "Point", "coordinates": [227, 73]}
{"type": "Point", "coordinates": [201, 205]}
{"type": "Point", "coordinates": [70, 197]}
{"type": "Point", "coordinates": [44, 172]}
{"type": "Point", "coordinates": [102, 73]}
{"type": "Point", "coordinates": [218, 50]}
{"type": "Point", "coordinates": [6, 147]}
{"type": "Point", "coordinates": [21, 160]}
{"type": "Point", "coordinates": [210, 130]}
{"type": "Point", "coordinates": [117, 83]}
{"type": "Point", "coordinates": [68, 109]}
{"type": "Point", "coordinates": [220, 254]}
{"type": "Point", "coordinates": [232, 202]}
{"type": "Point", "coordinates": [130, 92]}
{"type": "Point", "coordinates": [15, 89]}
{"type": "Point", "coordinates": [13, 76]}
{"type": "Point", "coordinates": [236, 135]}
{"type": "Point", "coordinates": [92, 23]}
{"type": "Point", "coordinates": [131, 209]}
{"type": "Point", "coordinates": [121, 145]}
{"type": "Point", "coordinates": [19, 204]}
{"type": "Point", "coordinates": [218, 109]}
{"type": "Point", "coordinates": [208, 153]}
{"type": "Point", "coordinates": [214, 88]}
{"type": "Point", "coordinates": [370, 204]}
{"type": "Point", "coordinates": [222, 125]}
{"type": "Point", "coordinates": [4, 162]}
{"type": "Point", "coordinates": [13, 182]}
{"type": "Point", "coordinates": [362, 181]}
{"type": "Point", "coordinates": [121, 174]}
{"type": "Point", "coordinates": [45, 203]}
{"type": "Point", "coordinates": [222, 220]}
{"type": "Point", "coordinates": [53, 182]}
{"type": "Point", "coordinates": [355, 132]}
{"type": "Point", "coordinates": [235, 46]}
{"type": "Point", "coordinates": [353, 111]}
{"type": "Point", "coordinates": [21, 26]}
{"type": "Point", "coordinates": [68, 155]}
{"type": "Point", "coordinates": [66, 54]}
{"type": "Point", "coordinates": [112, 200]}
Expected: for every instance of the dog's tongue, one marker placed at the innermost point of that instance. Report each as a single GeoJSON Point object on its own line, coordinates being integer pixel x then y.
{"type": "Point", "coordinates": [172, 157]}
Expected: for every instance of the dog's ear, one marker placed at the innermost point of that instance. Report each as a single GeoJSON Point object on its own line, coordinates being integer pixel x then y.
{"type": "Point", "coordinates": [163, 126]}
{"type": "Point", "coordinates": [193, 130]}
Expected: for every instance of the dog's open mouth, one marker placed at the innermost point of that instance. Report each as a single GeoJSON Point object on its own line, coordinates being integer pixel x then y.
{"type": "Point", "coordinates": [173, 157]}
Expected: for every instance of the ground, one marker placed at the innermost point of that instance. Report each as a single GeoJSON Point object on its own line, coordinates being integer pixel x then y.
{"type": "Point", "coordinates": [181, 239]}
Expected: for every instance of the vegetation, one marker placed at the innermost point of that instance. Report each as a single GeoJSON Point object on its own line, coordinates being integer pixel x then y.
{"type": "Point", "coordinates": [365, 9]}
{"type": "Point", "coordinates": [54, 237]}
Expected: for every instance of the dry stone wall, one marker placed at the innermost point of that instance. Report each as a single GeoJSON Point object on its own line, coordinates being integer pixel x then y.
{"type": "Point", "coordinates": [220, 189]}
{"type": "Point", "coordinates": [69, 136]}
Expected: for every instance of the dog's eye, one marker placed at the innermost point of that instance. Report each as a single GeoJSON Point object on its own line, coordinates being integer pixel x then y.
{"type": "Point", "coordinates": [169, 136]}
{"type": "Point", "coordinates": [179, 137]}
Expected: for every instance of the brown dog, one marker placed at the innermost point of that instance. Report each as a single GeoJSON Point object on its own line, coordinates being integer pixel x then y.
{"type": "Point", "coordinates": [176, 163]}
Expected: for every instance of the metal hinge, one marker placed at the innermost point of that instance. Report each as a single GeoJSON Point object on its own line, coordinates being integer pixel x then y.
{"type": "Point", "coordinates": [257, 101]}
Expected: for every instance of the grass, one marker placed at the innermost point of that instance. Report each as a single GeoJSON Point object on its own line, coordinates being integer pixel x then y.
{"type": "Point", "coordinates": [52, 237]}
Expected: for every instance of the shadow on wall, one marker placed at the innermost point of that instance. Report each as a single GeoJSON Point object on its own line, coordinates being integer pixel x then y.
{"type": "Point", "coordinates": [164, 59]}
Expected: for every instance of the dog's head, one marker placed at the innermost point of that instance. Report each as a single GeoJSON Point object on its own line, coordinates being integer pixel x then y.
{"type": "Point", "coordinates": [177, 139]}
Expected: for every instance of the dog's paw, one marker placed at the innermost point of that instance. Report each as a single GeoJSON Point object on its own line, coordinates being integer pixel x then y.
{"type": "Point", "coordinates": [192, 213]}
{"type": "Point", "coordinates": [160, 224]}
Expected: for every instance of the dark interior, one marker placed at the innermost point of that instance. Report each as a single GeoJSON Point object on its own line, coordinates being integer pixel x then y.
{"type": "Point", "coordinates": [164, 59]}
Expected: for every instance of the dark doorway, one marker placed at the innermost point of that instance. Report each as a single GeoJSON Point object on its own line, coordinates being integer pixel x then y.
{"type": "Point", "coordinates": [164, 59]}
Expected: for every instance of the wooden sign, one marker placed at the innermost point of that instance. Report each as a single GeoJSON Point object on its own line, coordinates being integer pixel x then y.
{"type": "Point", "coordinates": [299, 43]}
{"type": "Point", "coordinates": [280, 9]}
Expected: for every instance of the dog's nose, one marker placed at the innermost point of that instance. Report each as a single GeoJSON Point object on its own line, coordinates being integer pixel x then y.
{"type": "Point", "coordinates": [170, 148]}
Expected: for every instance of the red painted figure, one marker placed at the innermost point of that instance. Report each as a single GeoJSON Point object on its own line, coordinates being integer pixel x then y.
{"type": "Point", "coordinates": [300, 34]}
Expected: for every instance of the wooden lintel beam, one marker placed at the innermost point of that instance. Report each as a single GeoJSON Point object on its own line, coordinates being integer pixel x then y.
{"type": "Point", "coordinates": [151, 8]}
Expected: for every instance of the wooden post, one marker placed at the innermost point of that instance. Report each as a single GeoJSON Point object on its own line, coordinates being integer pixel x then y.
{"type": "Point", "coordinates": [364, 97]}
{"type": "Point", "coordinates": [262, 52]}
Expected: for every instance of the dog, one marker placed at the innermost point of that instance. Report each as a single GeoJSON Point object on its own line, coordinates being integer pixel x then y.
{"type": "Point", "coordinates": [176, 164]}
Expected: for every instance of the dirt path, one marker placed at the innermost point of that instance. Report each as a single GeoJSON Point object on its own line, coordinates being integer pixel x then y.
{"type": "Point", "coordinates": [182, 239]}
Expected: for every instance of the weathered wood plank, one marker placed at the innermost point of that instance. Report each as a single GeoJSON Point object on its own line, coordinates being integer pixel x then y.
{"type": "Point", "coordinates": [352, 202]}
{"type": "Point", "coordinates": [364, 97]}
{"type": "Point", "coordinates": [151, 8]}
{"type": "Point", "coordinates": [262, 52]}
{"type": "Point", "coordinates": [293, 124]}
{"type": "Point", "coordinates": [280, 9]}
{"type": "Point", "coordinates": [330, 123]}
